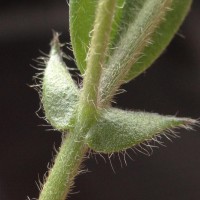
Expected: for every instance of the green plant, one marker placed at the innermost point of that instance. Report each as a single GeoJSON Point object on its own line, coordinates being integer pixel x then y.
{"type": "Point", "coordinates": [113, 41]}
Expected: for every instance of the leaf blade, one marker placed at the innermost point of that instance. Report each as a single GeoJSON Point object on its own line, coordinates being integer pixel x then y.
{"type": "Point", "coordinates": [162, 37]}
{"type": "Point", "coordinates": [126, 61]}
{"type": "Point", "coordinates": [81, 20]}
{"type": "Point", "coordinates": [118, 130]}
{"type": "Point", "coordinates": [59, 92]}
{"type": "Point", "coordinates": [130, 46]}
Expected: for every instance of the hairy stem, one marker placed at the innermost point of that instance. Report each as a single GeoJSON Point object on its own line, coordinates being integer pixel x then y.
{"type": "Point", "coordinates": [97, 54]}
{"type": "Point", "coordinates": [72, 151]}
{"type": "Point", "coordinates": [64, 170]}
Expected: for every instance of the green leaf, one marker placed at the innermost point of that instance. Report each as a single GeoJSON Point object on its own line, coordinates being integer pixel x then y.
{"type": "Point", "coordinates": [81, 21]}
{"type": "Point", "coordinates": [59, 92]}
{"type": "Point", "coordinates": [161, 37]}
{"type": "Point", "coordinates": [118, 130]}
{"type": "Point", "coordinates": [142, 39]}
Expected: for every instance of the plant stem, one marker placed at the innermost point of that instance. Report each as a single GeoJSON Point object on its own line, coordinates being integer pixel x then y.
{"type": "Point", "coordinates": [72, 151]}
{"type": "Point", "coordinates": [97, 54]}
{"type": "Point", "coordinates": [64, 170]}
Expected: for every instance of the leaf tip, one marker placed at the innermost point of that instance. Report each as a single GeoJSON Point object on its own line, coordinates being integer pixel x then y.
{"type": "Point", "coordinates": [189, 123]}
{"type": "Point", "coordinates": [56, 44]}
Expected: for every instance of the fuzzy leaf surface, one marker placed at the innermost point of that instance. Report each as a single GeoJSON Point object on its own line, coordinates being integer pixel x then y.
{"type": "Point", "coordinates": [59, 92]}
{"type": "Point", "coordinates": [118, 130]}
{"type": "Point", "coordinates": [136, 37]}
{"type": "Point", "coordinates": [81, 21]}
{"type": "Point", "coordinates": [161, 37]}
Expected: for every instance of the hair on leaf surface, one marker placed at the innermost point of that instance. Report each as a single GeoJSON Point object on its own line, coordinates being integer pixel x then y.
{"type": "Point", "coordinates": [41, 76]}
{"type": "Point", "coordinates": [117, 130]}
{"type": "Point", "coordinates": [113, 42]}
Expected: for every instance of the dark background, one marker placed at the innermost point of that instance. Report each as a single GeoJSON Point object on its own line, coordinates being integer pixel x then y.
{"type": "Point", "coordinates": [171, 86]}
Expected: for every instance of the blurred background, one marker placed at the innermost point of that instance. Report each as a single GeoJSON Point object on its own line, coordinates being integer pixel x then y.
{"type": "Point", "coordinates": [171, 86]}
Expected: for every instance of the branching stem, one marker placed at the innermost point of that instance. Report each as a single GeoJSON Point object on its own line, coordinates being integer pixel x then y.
{"type": "Point", "coordinates": [72, 151]}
